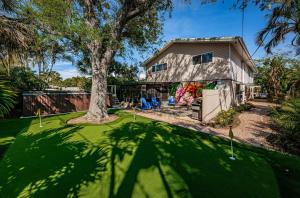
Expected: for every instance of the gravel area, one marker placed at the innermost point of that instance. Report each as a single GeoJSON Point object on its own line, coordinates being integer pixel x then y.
{"type": "Point", "coordinates": [252, 129]}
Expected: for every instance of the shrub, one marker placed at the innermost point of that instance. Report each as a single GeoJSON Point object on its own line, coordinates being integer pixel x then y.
{"type": "Point", "coordinates": [25, 80]}
{"type": "Point", "coordinates": [225, 118]}
{"type": "Point", "coordinates": [244, 107]}
{"type": "Point", "coordinates": [7, 98]}
{"type": "Point", "coordinates": [286, 121]}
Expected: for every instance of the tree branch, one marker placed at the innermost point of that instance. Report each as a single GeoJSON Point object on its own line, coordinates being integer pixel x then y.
{"type": "Point", "coordinates": [129, 10]}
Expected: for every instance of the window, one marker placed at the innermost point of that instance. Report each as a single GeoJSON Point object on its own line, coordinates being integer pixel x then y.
{"type": "Point", "coordinates": [203, 58]}
{"type": "Point", "coordinates": [153, 68]}
{"type": "Point", "coordinates": [159, 67]}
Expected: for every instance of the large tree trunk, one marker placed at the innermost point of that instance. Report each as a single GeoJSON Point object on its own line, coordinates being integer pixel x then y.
{"type": "Point", "coordinates": [98, 109]}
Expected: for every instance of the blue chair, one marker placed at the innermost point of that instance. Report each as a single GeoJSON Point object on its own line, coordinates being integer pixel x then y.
{"type": "Point", "coordinates": [154, 102]}
{"type": "Point", "coordinates": [171, 101]}
{"type": "Point", "coordinates": [145, 105]}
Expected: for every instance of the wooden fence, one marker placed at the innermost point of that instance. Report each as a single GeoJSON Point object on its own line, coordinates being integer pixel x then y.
{"type": "Point", "coordinates": [56, 102]}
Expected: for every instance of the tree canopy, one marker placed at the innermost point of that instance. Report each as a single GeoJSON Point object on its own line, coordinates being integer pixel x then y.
{"type": "Point", "coordinates": [278, 75]}
{"type": "Point", "coordinates": [98, 30]}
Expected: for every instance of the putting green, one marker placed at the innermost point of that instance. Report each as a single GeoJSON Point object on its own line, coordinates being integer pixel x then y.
{"type": "Point", "coordinates": [127, 158]}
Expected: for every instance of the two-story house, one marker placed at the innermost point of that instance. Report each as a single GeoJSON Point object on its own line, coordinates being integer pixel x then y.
{"type": "Point", "coordinates": [224, 60]}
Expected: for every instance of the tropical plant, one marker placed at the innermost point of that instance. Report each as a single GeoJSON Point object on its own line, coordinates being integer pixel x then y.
{"type": "Point", "coordinates": [16, 35]}
{"type": "Point", "coordinates": [15, 32]}
{"type": "Point", "coordinates": [284, 20]}
{"type": "Point", "coordinates": [173, 88]}
{"type": "Point", "coordinates": [76, 82]}
{"type": "Point", "coordinates": [286, 121]}
{"type": "Point", "coordinates": [24, 79]}
{"type": "Point", "coordinates": [278, 75]}
{"type": "Point", "coordinates": [52, 78]}
{"type": "Point", "coordinates": [225, 118]}
{"type": "Point", "coordinates": [7, 98]}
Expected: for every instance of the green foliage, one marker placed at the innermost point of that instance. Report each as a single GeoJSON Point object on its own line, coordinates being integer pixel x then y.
{"type": "Point", "coordinates": [52, 78]}
{"type": "Point", "coordinates": [277, 75]}
{"type": "Point", "coordinates": [225, 118]}
{"type": "Point", "coordinates": [286, 121]}
{"type": "Point", "coordinates": [7, 98]}
{"type": "Point", "coordinates": [67, 22]}
{"type": "Point", "coordinates": [244, 107]}
{"type": "Point", "coordinates": [120, 81]}
{"type": "Point", "coordinates": [199, 92]}
{"type": "Point", "coordinates": [87, 85]}
{"type": "Point", "coordinates": [82, 82]}
{"type": "Point", "coordinates": [211, 85]}
{"type": "Point", "coordinates": [124, 71]}
{"type": "Point", "coordinates": [282, 21]}
{"type": "Point", "coordinates": [24, 79]}
{"type": "Point", "coordinates": [173, 88]}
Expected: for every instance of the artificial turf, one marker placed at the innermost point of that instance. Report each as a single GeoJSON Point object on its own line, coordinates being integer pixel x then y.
{"type": "Point", "coordinates": [135, 158]}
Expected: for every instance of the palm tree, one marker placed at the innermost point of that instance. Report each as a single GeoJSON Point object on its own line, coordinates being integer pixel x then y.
{"type": "Point", "coordinates": [284, 19]}
{"type": "Point", "coordinates": [16, 34]}
{"type": "Point", "coordinates": [7, 97]}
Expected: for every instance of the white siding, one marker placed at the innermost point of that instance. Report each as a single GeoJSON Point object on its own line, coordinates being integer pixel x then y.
{"type": "Point", "coordinates": [241, 72]}
{"type": "Point", "coordinates": [180, 66]}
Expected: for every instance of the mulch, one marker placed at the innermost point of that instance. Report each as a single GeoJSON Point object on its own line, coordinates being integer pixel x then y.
{"type": "Point", "coordinates": [84, 120]}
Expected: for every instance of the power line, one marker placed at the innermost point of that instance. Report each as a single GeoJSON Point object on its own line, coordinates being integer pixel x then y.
{"type": "Point", "coordinates": [243, 18]}
{"type": "Point", "coordinates": [274, 21]}
{"type": "Point", "coordinates": [260, 44]}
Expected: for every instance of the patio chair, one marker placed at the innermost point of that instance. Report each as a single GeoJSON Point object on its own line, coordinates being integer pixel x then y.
{"type": "Point", "coordinates": [145, 105]}
{"type": "Point", "coordinates": [171, 101]}
{"type": "Point", "coordinates": [154, 102]}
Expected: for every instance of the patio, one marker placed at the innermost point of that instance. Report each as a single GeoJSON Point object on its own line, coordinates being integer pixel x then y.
{"type": "Point", "coordinates": [252, 129]}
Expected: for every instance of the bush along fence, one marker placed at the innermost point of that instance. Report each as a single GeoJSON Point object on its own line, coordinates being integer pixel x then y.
{"type": "Point", "coordinates": [56, 102]}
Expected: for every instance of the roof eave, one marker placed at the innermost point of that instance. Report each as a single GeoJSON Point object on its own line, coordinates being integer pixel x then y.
{"type": "Point", "coordinates": [223, 40]}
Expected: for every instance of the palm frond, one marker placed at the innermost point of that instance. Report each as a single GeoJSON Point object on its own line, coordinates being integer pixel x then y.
{"type": "Point", "coordinates": [7, 98]}
{"type": "Point", "coordinates": [283, 20]}
{"type": "Point", "coordinates": [15, 33]}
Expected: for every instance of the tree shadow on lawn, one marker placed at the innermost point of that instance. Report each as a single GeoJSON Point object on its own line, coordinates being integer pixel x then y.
{"type": "Point", "coordinates": [9, 130]}
{"type": "Point", "coordinates": [185, 164]}
{"type": "Point", "coordinates": [137, 159]}
{"type": "Point", "coordinates": [48, 164]}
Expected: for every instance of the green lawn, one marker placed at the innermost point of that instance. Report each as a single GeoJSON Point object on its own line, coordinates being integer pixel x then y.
{"type": "Point", "coordinates": [144, 158]}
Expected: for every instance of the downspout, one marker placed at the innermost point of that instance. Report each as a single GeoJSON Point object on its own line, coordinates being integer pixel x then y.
{"type": "Point", "coordinates": [232, 76]}
{"type": "Point", "coordinates": [230, 63]}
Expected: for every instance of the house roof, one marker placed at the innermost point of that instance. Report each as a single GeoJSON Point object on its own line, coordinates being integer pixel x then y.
{"type": "Point", "coordinates": [238, 41]}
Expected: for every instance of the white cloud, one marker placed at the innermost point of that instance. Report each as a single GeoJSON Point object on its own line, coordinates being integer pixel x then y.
{"type": "Point", "coordinates": [68, 73]}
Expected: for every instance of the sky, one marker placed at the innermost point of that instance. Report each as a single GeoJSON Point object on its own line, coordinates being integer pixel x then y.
{"type": "Point", "coordinates": [196, 21]}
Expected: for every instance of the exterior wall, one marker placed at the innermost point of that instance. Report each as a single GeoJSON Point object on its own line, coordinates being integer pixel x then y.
{"type": "Point", "coordinates": [181, 68]}
{"type": "Point", "coordinates": [242, 75]}
{"type": "Point", "coordinates": [241, 72]}
{"type": "Point", "coordinates": [214, 101]}
{"type": "Point", "coordinates": [236, 65]}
